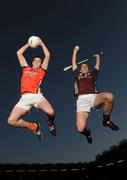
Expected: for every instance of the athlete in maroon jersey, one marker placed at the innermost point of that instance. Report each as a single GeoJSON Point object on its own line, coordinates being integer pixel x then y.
{"type": "Point", "coordinates": [88, 97]}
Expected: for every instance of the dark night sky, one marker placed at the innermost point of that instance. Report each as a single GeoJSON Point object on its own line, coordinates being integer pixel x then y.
{"type": "Point", "coordinates": [94, 26]}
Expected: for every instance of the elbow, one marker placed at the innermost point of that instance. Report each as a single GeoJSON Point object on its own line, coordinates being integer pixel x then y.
{"type": "Point", "coordinates": [17, 53]}
{"type": "Point", "coordinates": [48, 55]}
{"type": "Point", "coordinates": [97, 67]}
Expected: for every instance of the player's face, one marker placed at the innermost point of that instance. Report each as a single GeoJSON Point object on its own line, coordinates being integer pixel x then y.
{"type": "Point", "coordinates": [36, 62]}
{"type": "Point", "coordinates": [84, 68]}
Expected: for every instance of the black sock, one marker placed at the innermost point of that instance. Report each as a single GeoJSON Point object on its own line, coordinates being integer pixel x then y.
{"type": "Point", "coordinates": [106, 117]}
{"type": "Point", "coordinates": [51, 118]}
{"type": "Point", "coordinates": [85, 132]}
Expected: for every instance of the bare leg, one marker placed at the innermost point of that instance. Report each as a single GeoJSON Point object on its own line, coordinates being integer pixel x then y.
{"type": "Point", "coordinates": [81, 121]}
{"type": "Point", "coordinates": [16, 121]}
{"type": "Point", "coordinates": [47, 108]}
{"type": "Point", "coordinates": [106, 99]}
{"type": "Point", "coordinates": [14, 118]}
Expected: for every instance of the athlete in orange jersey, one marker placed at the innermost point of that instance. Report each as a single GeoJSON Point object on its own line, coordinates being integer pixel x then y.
{"type": "Point", "coordinates": [31, 95]}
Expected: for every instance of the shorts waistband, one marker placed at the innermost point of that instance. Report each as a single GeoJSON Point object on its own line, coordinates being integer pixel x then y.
{"type": "Point", "coordinates": [85, 95]}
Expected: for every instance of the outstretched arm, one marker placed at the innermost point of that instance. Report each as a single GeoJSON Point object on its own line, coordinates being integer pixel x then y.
{"type": "Point", "coordinates": [20, 56]}
{"type": "Point", "coordinates": [74, 57]}
{"type": "Point", "coordinates": [46, 59]}
{"type": "Point", "coordinates": [98, 59]}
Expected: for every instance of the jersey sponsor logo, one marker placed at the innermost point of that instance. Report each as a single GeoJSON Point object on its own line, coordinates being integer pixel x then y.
{"type": "Point", "coordinates": [81, 76]}
{"type": "Point", "coordinates": [30, 73]}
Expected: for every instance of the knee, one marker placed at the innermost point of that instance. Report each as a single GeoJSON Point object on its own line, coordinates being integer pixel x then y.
{"type": "Point", "coordinates": [109, 97]}
{"type": "Point", "coordinates": [51, 113]}
{"type": "Point", "coordinates": [11, 121]}
{"type": "Point", "coordinates": [80, 129]}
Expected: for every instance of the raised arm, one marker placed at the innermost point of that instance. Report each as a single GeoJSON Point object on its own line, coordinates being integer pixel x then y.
{"type": "Point", "coordinates": [98, 59]}
{"type": "Point", "coordinates": [74, 57]}
{"type": "Point", "coordinates": [46, 59]}
{"type": "Point", "coordinates": [20, 55]}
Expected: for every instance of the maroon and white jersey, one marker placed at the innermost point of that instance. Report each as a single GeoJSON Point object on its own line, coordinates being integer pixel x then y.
{"type": "Point", "coordinates": [85, 83]}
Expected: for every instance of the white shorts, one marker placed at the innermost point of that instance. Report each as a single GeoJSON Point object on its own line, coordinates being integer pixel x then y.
{"type": "Point", "coordinates": [29, 99]}
{"type": "Point", "coordinates": [85, 102]}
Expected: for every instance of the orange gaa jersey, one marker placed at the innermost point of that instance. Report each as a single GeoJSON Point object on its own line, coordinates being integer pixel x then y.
{"type": "Point", "coordinates": [31, 79]}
